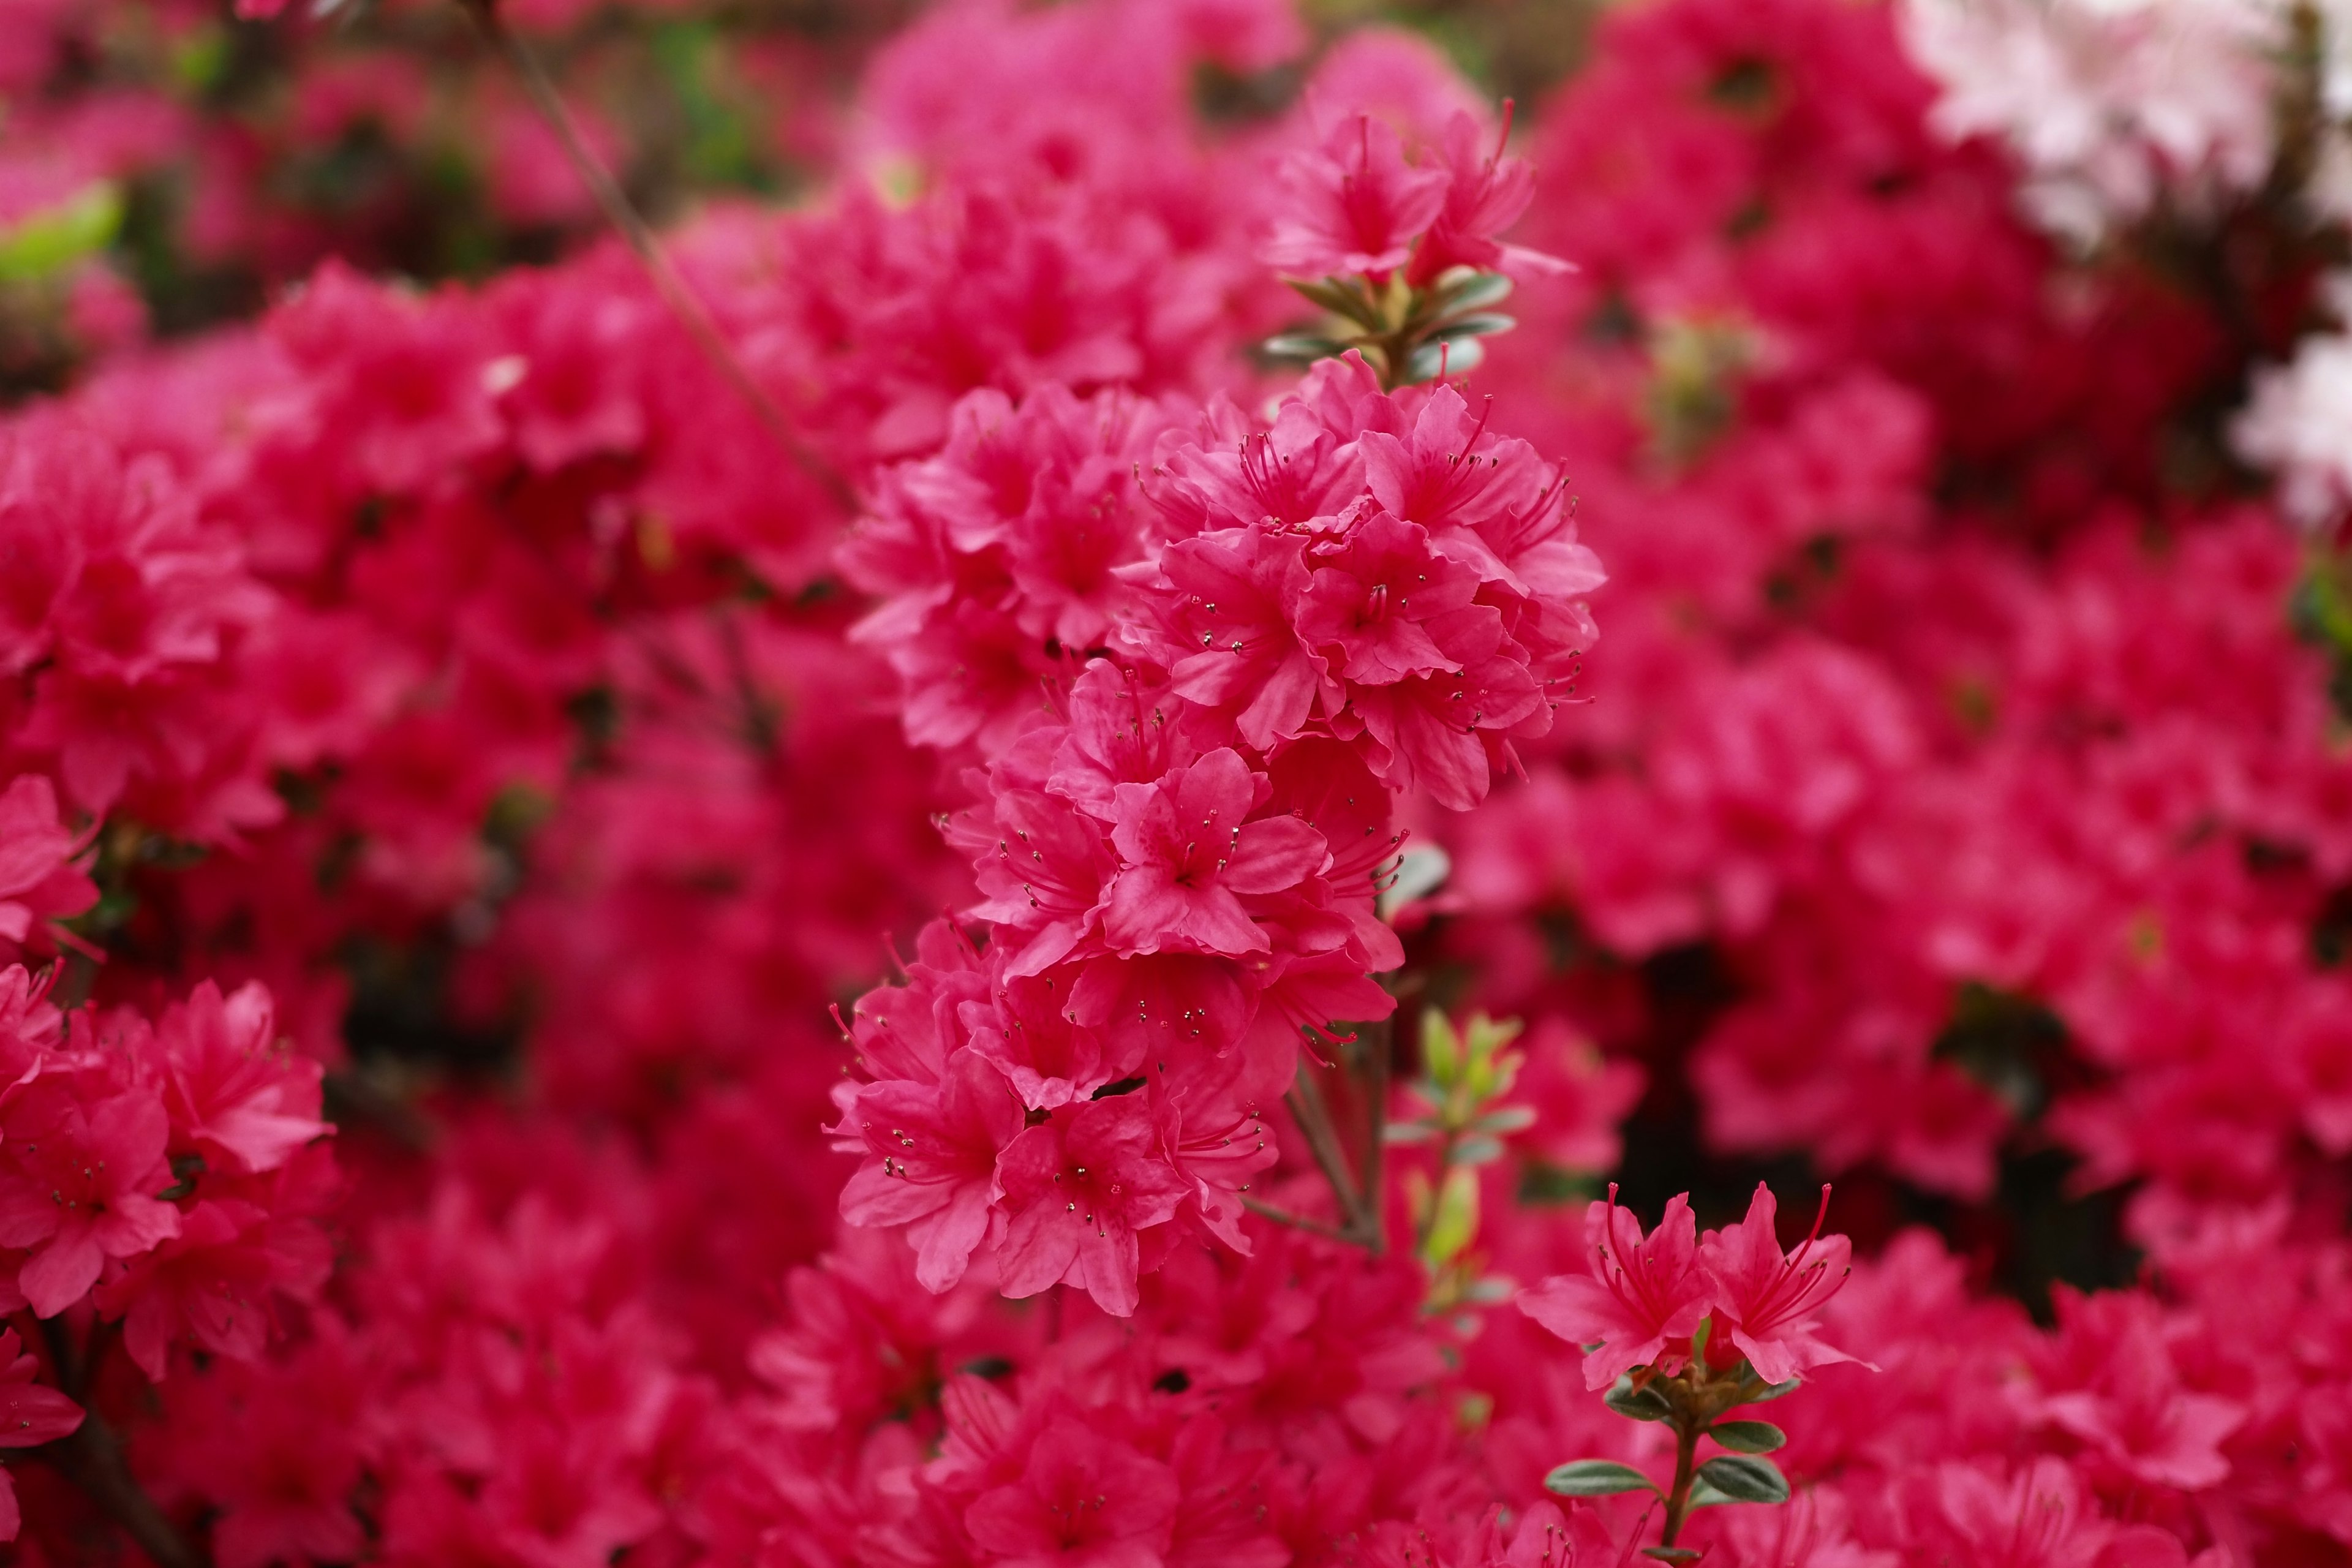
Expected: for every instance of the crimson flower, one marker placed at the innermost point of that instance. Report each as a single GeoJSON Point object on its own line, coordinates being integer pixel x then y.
{"type": "Point", "coordinates": [40, 878]}
{"type": "Point", "coordinates": [1768, 1303]}
{"type": "Point", "coordinates": [77, 1186]}
{"type": "Point", "coordinates": [1356, 205]}
{"type": "Point", "coordinates": [30, 1415]}
{"type": "Point", "coordinates": [1083, 1500]}
{"type": "Point", "coordinates": [1374, 603]}
{"type": "Point", "coordinates": [236, 1096]}
{"type": "Point", "coordinates": [1081, 1184]}
{"type": "Point", "coordinates": [1642, 1300]}
{"type": "Point", "coordinates": [1187, 852]}
{"type": "Point", "coordinates": [1485, 195]}
{"type": "Point", "coordinates": [936, 1166]}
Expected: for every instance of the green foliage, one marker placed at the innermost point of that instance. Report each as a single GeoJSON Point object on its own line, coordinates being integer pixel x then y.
{"type": "Point", "coordinates": [1748, 1436]}
{"type": "Point", "coordinates": [1597, 1478]}
{"type": "Point", "coordinates": [1410, 335]}
{"type": "Point", "coordinates": [44, 244]}
{"type": "Point", "coordinates": [1740, 1477]}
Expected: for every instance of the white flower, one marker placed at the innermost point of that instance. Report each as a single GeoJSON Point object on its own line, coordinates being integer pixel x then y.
{"type": "Point", "coordinates": [2108, 104]}
{"type": "Point", "coordinates": [2298, 424]}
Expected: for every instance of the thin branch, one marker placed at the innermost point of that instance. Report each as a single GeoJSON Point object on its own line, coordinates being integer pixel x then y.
{"type": "Point", "coordinates": [1377, 1049]}
{"type": "Point", "coordinates": [1314, 1120]}
{"type": "Point", "coordinates": [675, 291]}
{"type": "Point", "coordinates": [90, 1457]}
{"type": "Point", "coordinates": [1361, 1226]}
{"type": "Point", "coordinates": [1297, 1221]}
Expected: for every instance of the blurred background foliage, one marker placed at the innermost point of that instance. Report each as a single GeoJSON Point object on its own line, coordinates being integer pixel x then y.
{"type": "Point", "coordinates": [168, 165]}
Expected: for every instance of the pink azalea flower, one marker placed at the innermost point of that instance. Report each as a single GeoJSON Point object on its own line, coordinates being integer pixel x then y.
{"type": "Point", "coordinates": [1485, 195]}
{"type": "Point", "coordinates": [934, 1168]}
{"type": "Point", "coordinates": [235, 1093]}
{"type": "Point", "coordinates": [1079, 1185]}
{"type": "Point", "coordinates": [1769, 1304]}
{"type": "Point", "coordinates": [1188, 851]}
{"type": "Point", "coordinates": [30, 1415]}
{"type": "Point", "coordinates": [1081, 1500]}
{"type": "Point", "coordinates": [1356, 205]}
{"type": "Point", "coordinates": [78, 1184]}
{"type": "Point", "coordinates": [1641, 1300]}
{"type": "Point", "coordinates": [40, 880]}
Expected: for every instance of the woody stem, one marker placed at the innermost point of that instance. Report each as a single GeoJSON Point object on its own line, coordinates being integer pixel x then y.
{"type": "Point", "coordinates": [1375, 1047]}
{"type": "Point", "coordinates": [1295, 1221]}
{"type": "Point", "coordinates": [90, 1457]}
{"type": "Point", "coordinates": [1679, 1499]}
{"type": "Point", "coordinates": [622, 214]}
{"type": "Point", "coordinates": [1314, 1120]}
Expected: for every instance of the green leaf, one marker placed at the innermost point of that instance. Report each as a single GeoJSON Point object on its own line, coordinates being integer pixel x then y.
{"type": "Point", "coordinates": [1748, 1436]}
{"type": "Point", "coordinates": [49, 241]}
{"type": "Point", "coordinates": [1744, 1477]}
{"type": "Point", "coordinates": [1778, 1391]}
{"type": "Point", "coordinates": [1482, 324]}
{"type": "Point", "coordinates": [1644, 1403]}
{"type": "Point", "coordinates": [1506, 1120]}
{"type": "Point", "coordinates": [1453, 359]}
{"type": "Point", "coordinates": [1477, 1152]}
{"type": "Point", "coordinates": [1671, 1553]}
{"type": "Point", "coordinates": [1597, 1478]}
{"type": "Point", "coordinates": [1413, 1131]}
{"type": "Point", "coordinates": [1456, 1220]}
{"type": "Point", "coordinates": [1302, 345]}
{"type": "Point", "coordinates": [1441, 1048]}
{"type": "Point", "coordinates": [1476, 291]}
{"type": "Point", "coordinates": [1338, 298]}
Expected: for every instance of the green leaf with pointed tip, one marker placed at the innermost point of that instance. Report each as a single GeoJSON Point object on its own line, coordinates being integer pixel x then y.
{"type": "Point", "coordinates": [1450, 358]}
{"type": "Point", "coordinates": [1455, 1222]}
{"type": "Point", "coordinates": [1745, 1477]}
{"type": "Point", "coordinates": [1597, 1478]}
{"type": "Point", "coordinates": [1337, 299]}
{"type": "Point", "coordinates": [1476, 291]}
{"type": "Point", "coordinates": [1441, 1048]}
{"type": "Point", "coordinates": [51, 240]}
{"type": "Point", "coordinates": [1748, 1436]}
{"type": "Point", "coordinates": [1302, 345]}
{"type": "Point", "coordinates": [1507, 1119]}
{"type": "Point", "coordinates": [1481, 324]}
{"type": "Point", "coordinates": [1644, 1403]}
{"type": "Point", "coordinates": [1778, 1391]}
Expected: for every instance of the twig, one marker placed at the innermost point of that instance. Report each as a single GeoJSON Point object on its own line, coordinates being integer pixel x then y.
{"type": "Point", "coordinates": [1361, 1224]}
{"type": "Point", "coordinates": [1377, 1049]}
{"type": "Point", "coordinates": [1296, 1221]}
{"type": "Point", "coordinates": [676, 292]}
{"type": "Point", "coordinates": [90, 1457]}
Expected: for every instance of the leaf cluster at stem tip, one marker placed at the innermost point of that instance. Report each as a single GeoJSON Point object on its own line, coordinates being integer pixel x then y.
{"type": "Point", "coordinates": [1695, 1404]}
{"type": "Point", "coordinates": [1408, 334]}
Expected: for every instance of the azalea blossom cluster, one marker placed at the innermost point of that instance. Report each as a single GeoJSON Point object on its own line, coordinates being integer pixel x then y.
{"type": "Point", "coordinates": [932, 888]}
{"type": "Point", "coordinates": [1251, 649]}
{"type": "Point", "coordinates": [162, 1183]}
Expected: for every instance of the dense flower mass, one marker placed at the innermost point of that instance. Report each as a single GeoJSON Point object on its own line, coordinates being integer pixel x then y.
{"type": "Point", "coordinates": [954, 873]}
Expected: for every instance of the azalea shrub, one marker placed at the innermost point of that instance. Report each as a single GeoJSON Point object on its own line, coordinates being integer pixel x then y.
{"type": "Point", "coordinates": [1236, 808]}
